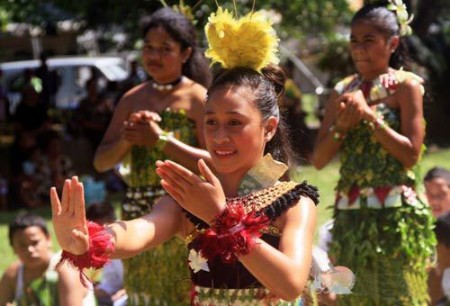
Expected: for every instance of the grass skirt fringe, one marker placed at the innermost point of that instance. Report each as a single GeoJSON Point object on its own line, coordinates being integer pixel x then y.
{"type": "Point", "coordinates": [388, 250]}
{"type": "Point", "coordinates": [159, 276]}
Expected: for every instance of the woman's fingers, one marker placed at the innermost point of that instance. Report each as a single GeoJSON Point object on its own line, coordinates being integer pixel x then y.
{"type": "Point", "coordinates": [172, 191]}
{"type": "Point", "coordinates": [207, 173]}
{"type": "Point", "coordinates": [150, 116]}
{"type": "Point", "coordinates": [54, 200]}
{"type": "Point", "coordinates": [79, 208]}
{"type": "Point", "coordinates": [65, 196]}
{"type": "Point", "coordinates": [183, 172]}
{"type": "Point", "coordinates": [180, 173]}
{"type": "Point", "coordinates": [73, 196]}
{"type": "Point", "coordinates": [172, 179]}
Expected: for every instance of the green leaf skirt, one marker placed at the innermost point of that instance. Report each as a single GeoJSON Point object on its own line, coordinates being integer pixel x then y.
{"type": "Point", "coordinates": [389, 251]}
{"type": "Point", "coordinates": [159, 276]}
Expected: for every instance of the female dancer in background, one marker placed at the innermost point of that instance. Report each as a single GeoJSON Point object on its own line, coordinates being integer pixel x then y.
{"type": "Point", "coordinates": [382, 228]}
{"type": "Point", "coordinates": [157, 119]}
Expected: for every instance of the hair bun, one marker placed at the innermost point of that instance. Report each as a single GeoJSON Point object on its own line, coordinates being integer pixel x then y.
{"type": "Point", "coordinates": [276, 75]}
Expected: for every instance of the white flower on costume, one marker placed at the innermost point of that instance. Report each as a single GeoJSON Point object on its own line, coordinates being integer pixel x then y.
{"type": "Point", "coordinates": [197, 262]}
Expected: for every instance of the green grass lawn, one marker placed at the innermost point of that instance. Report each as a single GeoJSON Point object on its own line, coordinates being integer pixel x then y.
{"type": "Point", "coordinates": [324, 180]}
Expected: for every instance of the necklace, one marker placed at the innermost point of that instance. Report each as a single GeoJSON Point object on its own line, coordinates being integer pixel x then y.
{"type": "Point", "coordinates": [167, 86]}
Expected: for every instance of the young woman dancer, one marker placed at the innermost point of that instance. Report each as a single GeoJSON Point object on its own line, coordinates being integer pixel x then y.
{"type": "Point", "coordinates": [382, 228]}
{"type": "Point", "coordinates": [249, 235]}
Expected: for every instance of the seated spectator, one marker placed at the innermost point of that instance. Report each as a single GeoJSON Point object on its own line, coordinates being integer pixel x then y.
{"type": "Point", "coordinates": [33, 279]}
{"type": "Point", "coordinates": [53, 166]}
{"type": "Point", "coordinates": [93, 114]}
{"type": "Point", "coordinates": [50, 81]}
{"type": "Point", "coordinates": [30, 115]}
{"type": "Point", "coordinates": [110, 291]}
{"type": "Point", "coordinates": [437, 186]}
{"type": "Point", "coordinates": [44, 166]}
{"type": "Point", "coordinates": [24, 152]}
{"type": "Point", "coordinates": [439, 281]}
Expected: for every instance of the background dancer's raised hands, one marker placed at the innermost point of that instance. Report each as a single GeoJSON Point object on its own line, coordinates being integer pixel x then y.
{"type": "Point", "coordinates": [142, 128]}
{"type": "Point", "coordinates": [203, 198]}
{"type": "Point", "coordinates": [69, 218]}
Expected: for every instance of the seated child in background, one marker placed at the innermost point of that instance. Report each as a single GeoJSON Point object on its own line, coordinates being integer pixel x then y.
{"type": "Point", "coordinates": [437, 186]}
{"type": "Point", "coordinates": [110, 290]}
{"type": "Point", "coordinates": [33, 280]}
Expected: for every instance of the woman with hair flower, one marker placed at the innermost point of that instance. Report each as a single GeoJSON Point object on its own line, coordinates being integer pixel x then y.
{"type": "Point", "coordinates": [382, 226]}
{"type": "Point", "coordinates": [248, 233]}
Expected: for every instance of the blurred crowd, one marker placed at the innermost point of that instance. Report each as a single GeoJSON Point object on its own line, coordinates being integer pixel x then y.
{"type": "Point", "coordinates": [38, 137]}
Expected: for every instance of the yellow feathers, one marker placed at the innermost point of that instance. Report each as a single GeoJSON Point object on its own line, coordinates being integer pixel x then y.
{"type": "Point", "coordinates": [247, 42]}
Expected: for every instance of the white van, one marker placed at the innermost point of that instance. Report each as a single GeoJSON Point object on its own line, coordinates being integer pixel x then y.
{"type": "Point", "coordinates": [73, 73]}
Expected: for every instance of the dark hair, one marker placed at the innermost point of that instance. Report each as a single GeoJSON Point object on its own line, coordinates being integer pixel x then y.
{"type": "Point", "coordinates": [181, 29]}
{"type": "Point", "coordinates": [438, 172]}
{"type": "Point", "coordinates": [100, 211]}
{"type": "Point", "coordinates": [267, 88]}
{"type": "Point", "coordinates": [23, 221]}
{"type": "Point", "coordinates": [385, 21]}
{"type": "Point", "coordinates": [442, 229]}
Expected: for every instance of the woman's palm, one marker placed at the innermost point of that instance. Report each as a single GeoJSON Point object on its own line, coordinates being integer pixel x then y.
{"type": "Point", "coordinates": [69, 219]}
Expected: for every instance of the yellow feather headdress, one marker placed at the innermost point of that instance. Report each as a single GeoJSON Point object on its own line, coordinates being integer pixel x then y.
{"type": "Point", "coordinates": [249, 41]}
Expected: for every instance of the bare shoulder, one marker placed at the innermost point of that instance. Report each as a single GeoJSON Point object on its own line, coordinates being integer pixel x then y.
{"type": "Point", "coordinates": [197, 96]}
{"type": "Point", "coordinates": [410, 84]}
{"type": "Point", "coordinates": [132, 98]}
{"type": "Point", "coordinates": [135, 91]}
{"type": "Point", "coordinates": [12, 271]}
{"type": "Point", "coordinates": [409, 92]}
{"type": "Point", "coordinates": [8, 283]}
{"type": "Point", "coordinates": [196, 91]}
{"type": "Point", "coordinates": [300, 214]}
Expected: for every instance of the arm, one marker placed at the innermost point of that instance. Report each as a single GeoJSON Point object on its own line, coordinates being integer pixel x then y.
{"type": "Point", "coordinates": [71, 291]}
{"type": "Point", "coordinates": [405, 145]}
{"type": "Point", "coordinates": [182, 153]}
{"type": "Point", "coordinates": [129, 237]}
{"type": "Point", "coordinates": [7, 284]}
{"type": "Point", "coordinates": [285, 271]}
{"type": "Point", "coordinates": [114, 146]}
{"type": "Point", "coordinates": [134, 236]}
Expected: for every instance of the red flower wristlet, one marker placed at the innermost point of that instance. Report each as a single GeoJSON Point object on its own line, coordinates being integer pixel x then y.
{"type": "Point", "coordinates": [100, 248]}
{"type": "Point", "coordinates": [234, 233]}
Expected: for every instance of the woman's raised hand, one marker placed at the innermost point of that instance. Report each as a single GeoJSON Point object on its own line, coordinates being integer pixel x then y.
{"type": "Point", "coordinates": [142, 128]}
{"type": "Point", "coordinates": [144, 116]}
{"type": "Point", "coordinates": [69, 217]}
{"type": "Point", "coordinates": [352, 107]}
{"type": "Point", "coordinates": [203, 198]}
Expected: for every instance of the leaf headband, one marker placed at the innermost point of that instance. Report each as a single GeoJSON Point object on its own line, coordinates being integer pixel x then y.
{"type": "Point", "coordinates": [249, 41]}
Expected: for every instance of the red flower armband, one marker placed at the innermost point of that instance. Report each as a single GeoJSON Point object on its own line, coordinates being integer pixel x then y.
{"type": "Point", "coordinates": [100, 248]}
{"type": "Point", "coordinates": [234, 233]}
